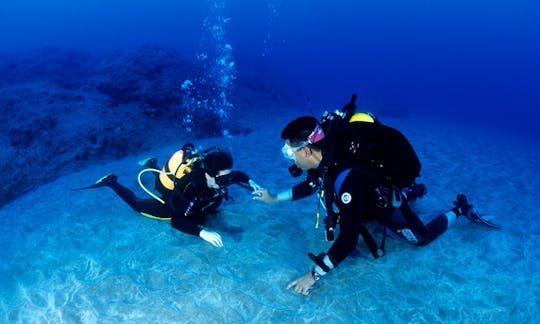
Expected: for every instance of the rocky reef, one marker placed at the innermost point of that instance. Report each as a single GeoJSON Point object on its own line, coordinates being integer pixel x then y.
{"type": "Point", "coordinates": [63, 110]}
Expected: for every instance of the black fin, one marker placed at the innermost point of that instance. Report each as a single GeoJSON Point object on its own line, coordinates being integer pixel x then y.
{"type": "Point", "coordinates": [95, 185]}
{"type": "Point", "coordinates": [477, 218]}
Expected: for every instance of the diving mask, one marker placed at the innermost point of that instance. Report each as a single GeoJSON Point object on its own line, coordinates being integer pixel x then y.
{"type": "Point", "coordinates": [288, 151]}
{"type": "Point", "coordinates": [315, 136]}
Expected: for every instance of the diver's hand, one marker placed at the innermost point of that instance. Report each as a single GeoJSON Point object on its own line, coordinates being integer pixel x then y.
{"type": "Point", "coordinates": [211, 237]}
{"type": "Point", "coordinates": [264, 196]}
{"type": "Point", "coordinates": [254, 185]}
{"type": "Point", "coordinates": [303, 284]}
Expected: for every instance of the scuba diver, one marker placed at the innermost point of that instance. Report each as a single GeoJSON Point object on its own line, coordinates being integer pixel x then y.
{"type": "Point", "coordinates": [363, 172]}
{"type": "Point", "coordinates": [192, 186]}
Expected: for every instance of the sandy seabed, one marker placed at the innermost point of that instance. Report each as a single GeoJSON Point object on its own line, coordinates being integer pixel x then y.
{"type": "Point", "coordinates": [86, 257]}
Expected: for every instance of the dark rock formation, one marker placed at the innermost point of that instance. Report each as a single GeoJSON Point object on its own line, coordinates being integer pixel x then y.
{"type": "Point", "coordinates": [62, 111]}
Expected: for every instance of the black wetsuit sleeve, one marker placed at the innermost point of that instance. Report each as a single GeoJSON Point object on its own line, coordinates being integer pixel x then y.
{"type": "Point", "coordinates": [241, 179]}
{"type": "Point", "coordinates": [302, 190]}
{"type": "Point", "coordinates": [353, 199]}
{"type": "Point", "coordinates": [185, 225]}
{"type": "Point", "coordinates": [180, 203]}
{"type": "Point", "coordinates": [307, 187]}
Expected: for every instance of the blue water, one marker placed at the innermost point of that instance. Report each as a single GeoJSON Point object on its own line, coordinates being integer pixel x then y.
{"type": "Point", "coordinates": [432, 56]}
{"type": "Point", "coordinates": [462, 78]}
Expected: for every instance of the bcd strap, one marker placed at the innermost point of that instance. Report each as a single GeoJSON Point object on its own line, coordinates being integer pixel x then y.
{"type": "Point", "coordinates": [330, 221]}
{"type": "Point", "coordinates": [376, 251]}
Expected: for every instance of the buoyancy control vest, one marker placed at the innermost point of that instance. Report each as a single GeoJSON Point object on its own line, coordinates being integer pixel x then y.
{"type": "Point", "coordinates": [363, 142]}
{"type": "Point", "coordinates": [179, 164]}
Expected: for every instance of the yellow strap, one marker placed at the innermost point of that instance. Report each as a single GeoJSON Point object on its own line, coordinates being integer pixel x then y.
{"type": "Point", "coordinates": [155, 217]}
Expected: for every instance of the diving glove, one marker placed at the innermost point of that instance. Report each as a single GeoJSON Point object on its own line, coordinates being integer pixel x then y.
{"type": "Point", "coordinates": [211, 237]}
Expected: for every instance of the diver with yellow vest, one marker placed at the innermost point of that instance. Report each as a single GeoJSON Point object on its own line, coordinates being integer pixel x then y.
{"type": "Point", "coordinates": [192, 186]}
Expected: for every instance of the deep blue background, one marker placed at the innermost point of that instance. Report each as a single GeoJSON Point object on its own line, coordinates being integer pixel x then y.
{"type": "Point", "coordinates": [478, 59]}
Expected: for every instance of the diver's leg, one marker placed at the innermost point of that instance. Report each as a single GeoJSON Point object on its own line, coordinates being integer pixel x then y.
{"type": "Point", "coordinates": [147, 207]}
{"type": "Point", "coordinates": [406, 224]}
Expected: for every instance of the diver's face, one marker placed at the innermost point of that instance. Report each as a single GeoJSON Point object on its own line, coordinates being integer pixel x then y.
{"type": "Point", "coordinates": [302, 156]}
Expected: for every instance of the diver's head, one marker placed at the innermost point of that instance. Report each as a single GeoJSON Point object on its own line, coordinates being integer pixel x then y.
{"type": "Point", "coordinates": [189, 150]}
{"type": "Point", "coordinates": [217, 165]}
{"type": "Point", "coordinates": [304, 139]}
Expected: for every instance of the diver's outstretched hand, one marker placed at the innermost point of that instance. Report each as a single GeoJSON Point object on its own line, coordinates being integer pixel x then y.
{"type": "Point", "coordinates": [263, 195]}
{"type": "Point", "coordinates": [303, 285]}
{"type": "Point", "coordinates": [211, 237]}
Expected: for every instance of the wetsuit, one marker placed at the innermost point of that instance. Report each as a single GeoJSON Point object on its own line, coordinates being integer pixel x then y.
{"type": "Point", "coordinates": [309, 186]}
{"type": "Point", "coordinates": [188, 205]}
{"type": "Point", "coordinates": [356, 198]}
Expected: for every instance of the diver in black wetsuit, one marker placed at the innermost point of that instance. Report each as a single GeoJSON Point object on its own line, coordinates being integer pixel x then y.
{"type": "Point", "coordinates": [356, 199]}
{"type": "Point", "coordinates": [191, 196]}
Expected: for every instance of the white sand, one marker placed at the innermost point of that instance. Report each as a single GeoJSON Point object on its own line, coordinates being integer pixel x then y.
{"type": "Point", "coordinates": [87, 257]}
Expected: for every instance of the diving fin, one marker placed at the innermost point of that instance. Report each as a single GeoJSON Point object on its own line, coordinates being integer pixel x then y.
{"type": "Point", "coordinates": [102, 182]}
{"type": "Point", "coordinates": [480, 219]}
